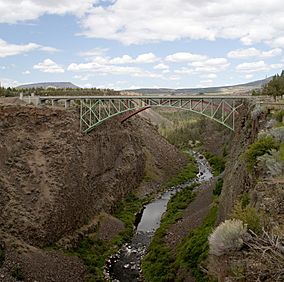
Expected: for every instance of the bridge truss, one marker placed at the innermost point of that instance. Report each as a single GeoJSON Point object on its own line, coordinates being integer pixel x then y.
{"type": "Point", "coordinates": [95, 111]}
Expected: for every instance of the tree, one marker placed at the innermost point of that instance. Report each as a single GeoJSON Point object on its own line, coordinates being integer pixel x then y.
{"type": "Point", "coordinates": [275, 87]}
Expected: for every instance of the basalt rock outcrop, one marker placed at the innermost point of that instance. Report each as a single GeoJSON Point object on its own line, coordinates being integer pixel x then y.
{"type": "Point", "coordinates": [55, 179]}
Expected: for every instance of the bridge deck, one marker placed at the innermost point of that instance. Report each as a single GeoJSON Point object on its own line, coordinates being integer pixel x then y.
{"type": "Point", "coordinates": [145, 97]}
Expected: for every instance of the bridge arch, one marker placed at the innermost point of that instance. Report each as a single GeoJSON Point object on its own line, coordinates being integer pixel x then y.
{"type": "Point", "coordinates": [221, 109]}
{"type": "Point", "coordinates": [130, 114]}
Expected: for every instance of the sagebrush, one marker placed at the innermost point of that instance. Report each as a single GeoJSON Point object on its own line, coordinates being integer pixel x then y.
{"type": "Point", "coordinates": [227, 237]}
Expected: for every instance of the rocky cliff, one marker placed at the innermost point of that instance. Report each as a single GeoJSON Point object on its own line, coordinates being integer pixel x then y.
{"type": "Point", "coordinates": [256, 198]}
{"type": "Point", "coordinates": [54, 179]}
{"type": "Point", "coordinates": [237, 180]}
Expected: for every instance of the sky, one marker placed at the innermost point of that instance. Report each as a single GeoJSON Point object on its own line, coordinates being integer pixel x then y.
{"type": "Point", "coordinates": [128, 44]}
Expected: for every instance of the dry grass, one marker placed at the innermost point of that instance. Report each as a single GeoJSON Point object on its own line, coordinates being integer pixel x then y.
{"type": "Point", "coordinates": [268, 250]}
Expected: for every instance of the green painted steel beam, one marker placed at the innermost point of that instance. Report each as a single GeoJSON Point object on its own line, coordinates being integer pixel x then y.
{"type": "Point", "coordinates": [96, 109]}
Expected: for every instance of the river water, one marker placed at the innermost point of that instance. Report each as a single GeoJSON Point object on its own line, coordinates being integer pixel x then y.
{"type": "Point", "coordinates": [124, 266]}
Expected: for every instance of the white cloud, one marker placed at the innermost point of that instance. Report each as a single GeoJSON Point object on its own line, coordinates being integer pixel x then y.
{"type": "Point", "coordinates": [26, 72]}
{"type": "Point", "coordinates": [252, 67]}
{"type": "Point", "coordinates": [94, 52]}
{"type": "Point", "coordinates": [146, 58]}
{"type": "Point", "coordinates": [248, 76]}
{"type": "Point", "coordinates": [211, 76]}
{"type": "Point", "coordinates": [82, 77]}
{"type": "Point", "coordinates": [107, 69]}
{"type": "Point", "coordinates": [19, 10]}
{"type": "Point", "coordinates": [257, 67]}
{"type": "Point", "coordinates": [271, 53]}
{"type": "Point", "coordinates": [7, 49]}
{"type": "Point", "coordinates": [49, 66]}
{"type": "Point", "coordinates": [185, 57]}
{"type": "Point", "coordinates": [104, 65]}
{"type": "Point", "coordinates": [7, 82]}
{"type": "Point", "coordinates": [134, 22]}
{"type": "Point", "coordinates": [277, 42]}
{"type": "Point", "coordinates": [88, 85]}
{"type": "Point", "coordinates": [210, 65]}
{"type": "Point", "coordinates": [206, 82]}
{"type": "Point", "coordinates": [207, 68]}
{"type": "Point", "coordinates": [161, 66]}
{"type": "Point", "coordinates": [125, 59]}
{"type": "Point", "coordinates": [184, 71]}
{"type": "Point", "coordinates": [174, 77]}
{"type": "Point", "coordinates": [277, 66]}
{"type": "Point", "coordinates": [253, 52]}
{"type": "Point", "coordinates": [132, 87]}
{"type": "Point", "coordinates": [48, 49]}
{"type": "Point", "coordinates": [137, 22]}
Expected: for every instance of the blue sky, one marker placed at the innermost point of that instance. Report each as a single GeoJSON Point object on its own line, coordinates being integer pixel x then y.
{"type": "Point", "coordinates": [127, 44]}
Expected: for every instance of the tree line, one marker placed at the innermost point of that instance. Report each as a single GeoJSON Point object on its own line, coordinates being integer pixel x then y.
{"type": "Point", "coordinates": [274, 88]}
{"type": "Point", "coordinates": [15, 92]}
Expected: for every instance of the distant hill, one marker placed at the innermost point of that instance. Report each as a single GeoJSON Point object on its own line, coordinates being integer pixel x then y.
{"type": "Point", "coordinates": [48, 85]}
{"type": "Point", "coordinates": [230, 90]}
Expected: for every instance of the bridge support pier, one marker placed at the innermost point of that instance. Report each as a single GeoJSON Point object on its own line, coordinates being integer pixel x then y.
{"type": "Point", "coordinates": [67, 104]}
{"type": "Point", "coordinates": [41, 102]}
{"type": "Point", "coordinates": [54, 103]}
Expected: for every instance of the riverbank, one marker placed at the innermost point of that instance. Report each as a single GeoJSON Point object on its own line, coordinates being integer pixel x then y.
{"type": "Point", "coordinates": [95, 251]}
{"type": "Point", "coordinates": [183, 233]}
{"type": "Point", "coordinates": [125, 266]}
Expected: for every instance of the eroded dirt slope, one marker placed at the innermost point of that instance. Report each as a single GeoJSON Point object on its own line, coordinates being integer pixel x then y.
{"type": "Point", "coordinates": [54, 179]}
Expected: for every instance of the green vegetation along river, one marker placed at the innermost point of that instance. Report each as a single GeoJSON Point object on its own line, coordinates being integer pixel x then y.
{"type": "Point", "coordinates": [125, 265]}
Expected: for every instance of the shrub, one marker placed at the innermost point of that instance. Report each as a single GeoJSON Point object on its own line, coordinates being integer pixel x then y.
{"type": "Point", "coordinates": [271, 164]}
{"type": "Point", "coordinates": [260, 147]}
{"type": "Point", "coordinates": [2, 257]}
{"type": "Point", "coordinates": [218, 187]}
{"type": "Point", "coordinates": [271, 123]}
{"type": "Point", "coordinates": [256, 112]}
{"type": "Point", "coordinates": [249, 215]}
{"type": "Point", "coordinates": [17, 273]}
{"type": "Point", "coordinates": [227, 237]}
{"type": "Point", "coordinates": [158, 263]}
{"type": "Point", "coordinates": [281, 152]}
{"type": "Point", "coordinates": [193, 251]}
{"type": "Point", "coordinates": [279, 115]}
{"type": "Point", "coordinates": [245, 200]}
{"type": "Point", "coordinates": [217, 163]}
{"type": "Point", "coordinates": [186, 174]}
{"type": "Point", "coordinates": [277, 133]}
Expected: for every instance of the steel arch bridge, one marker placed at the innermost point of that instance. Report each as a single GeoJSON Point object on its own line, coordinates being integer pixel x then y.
{"type": "Point", "coordinates": [96, 109]}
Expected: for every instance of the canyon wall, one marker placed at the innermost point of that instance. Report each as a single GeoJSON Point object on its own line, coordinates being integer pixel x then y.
{"type": "Point", "coordinates": [54, 178]}
{"type": "Point", "coordinates": [237, 180]}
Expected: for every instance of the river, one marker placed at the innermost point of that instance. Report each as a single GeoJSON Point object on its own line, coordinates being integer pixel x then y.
{"type": "Point", "coordinates": [124, 266]}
